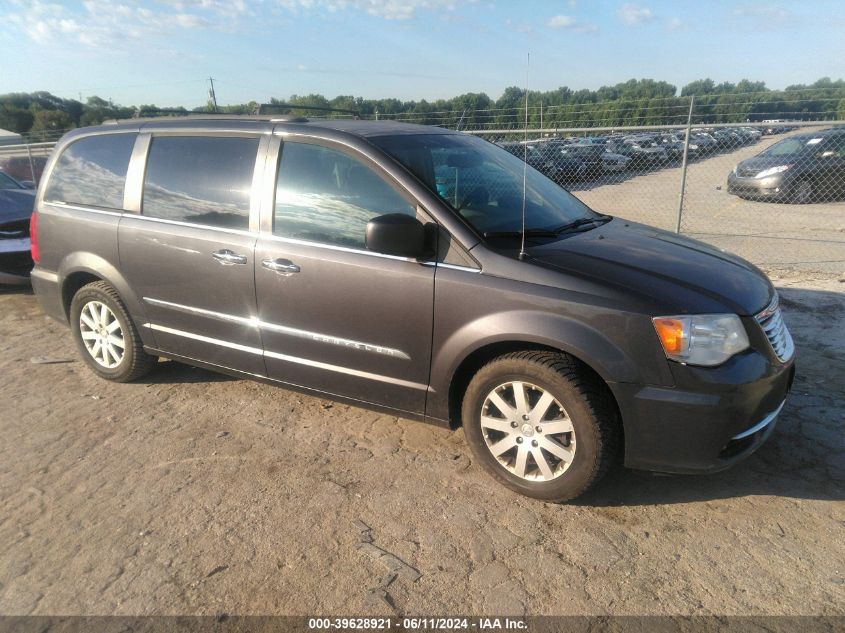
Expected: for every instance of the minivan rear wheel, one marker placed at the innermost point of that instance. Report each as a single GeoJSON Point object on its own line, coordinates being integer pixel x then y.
{"type": "Point", "coordinates": [541, 424]}
{"type": "Point", "coordinates": [105, 335]}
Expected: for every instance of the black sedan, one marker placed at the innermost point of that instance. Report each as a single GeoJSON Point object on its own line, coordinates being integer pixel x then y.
{"type": "Point", "coordinates": [16, 203]}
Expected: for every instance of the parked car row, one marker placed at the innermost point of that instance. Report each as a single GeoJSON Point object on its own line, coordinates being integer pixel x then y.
{"type": "Point", "coordinates": [588, 158]}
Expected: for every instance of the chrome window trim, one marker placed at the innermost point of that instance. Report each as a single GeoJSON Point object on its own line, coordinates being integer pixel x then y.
{"type": "Point", "coordinates": [255, 322]}
{"type": "Point", "coordinates": [467, 269]}
{"type": "Point", "coordinates": [79, 207]}
{"type": "Point", "coordinates": [285, 357]}
{"type": "Point", "coordinates": [332, 247]}
{"type": "Point", "coordinates": [192, 225]}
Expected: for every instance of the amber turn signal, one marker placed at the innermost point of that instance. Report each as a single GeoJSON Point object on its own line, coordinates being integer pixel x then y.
{"type": "Point", "coordinates": [671, 334]}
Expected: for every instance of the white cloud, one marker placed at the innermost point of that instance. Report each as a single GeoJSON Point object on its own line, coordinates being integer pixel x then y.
{"type": "Point", "coordinates": [561, 22]}
{"type": "Point", "coordinates": [770, 13]}
{"type": "Point", "coordinates": [387, 9]}
{"type": "Point", "coordinates": [569, 23]}
{"type": "Point", "coordinates": [675, 24]}
{"type": "Point", "coordinates": [106, 23]}
{"type": "Point", "coordinates": [633, 15]}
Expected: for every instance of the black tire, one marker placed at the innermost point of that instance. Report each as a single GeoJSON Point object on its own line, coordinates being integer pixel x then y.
{"type": "Point", "coordinates": [587, 402]}
{"type": "Point", "coordinates": [803, 192]}
{"type": "Point", "coordinates": [135, 362]}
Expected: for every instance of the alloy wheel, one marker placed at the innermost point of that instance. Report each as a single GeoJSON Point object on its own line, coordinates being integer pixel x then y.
{"type": "Point", "coordinates": [528, 431]}
{"type": "Point", "coordinates": [102, 334]}
{"type": "Point", "coordinates": [804, 192]}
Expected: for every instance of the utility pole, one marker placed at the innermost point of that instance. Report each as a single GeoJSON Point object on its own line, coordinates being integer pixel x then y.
{"type": "Point", "coordinates": [211, 95]}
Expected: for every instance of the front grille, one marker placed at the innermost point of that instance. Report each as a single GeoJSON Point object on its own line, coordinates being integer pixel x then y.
{"type": "Point", "coordinates": [771, 320]}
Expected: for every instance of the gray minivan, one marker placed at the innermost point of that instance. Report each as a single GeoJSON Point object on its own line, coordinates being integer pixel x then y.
{"type": "Point", "coordinates": [415, 270]}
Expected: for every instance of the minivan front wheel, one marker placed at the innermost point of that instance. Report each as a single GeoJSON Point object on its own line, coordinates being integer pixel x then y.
{"type": "Point", "coordinates": [105, 335]}
{"type": "Point", "coordinates": [541, 424]}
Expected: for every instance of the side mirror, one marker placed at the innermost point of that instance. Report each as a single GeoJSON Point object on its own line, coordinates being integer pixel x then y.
{"type": "Point", "coordinates": [28, 184]}
{"type": "Point", "coordinates": [396, 234]}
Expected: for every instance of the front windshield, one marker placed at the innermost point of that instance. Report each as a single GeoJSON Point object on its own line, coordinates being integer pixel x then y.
{"type": "Point", "coordinates": [483, 183]}
{"type": "Point", "coordinates": [790, 146]}
{"type": "Point", "coordinates": [8, 183]}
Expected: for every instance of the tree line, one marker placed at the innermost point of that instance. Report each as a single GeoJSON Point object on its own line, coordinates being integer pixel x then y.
{"type": "Point", "coordinates": [42, 115]}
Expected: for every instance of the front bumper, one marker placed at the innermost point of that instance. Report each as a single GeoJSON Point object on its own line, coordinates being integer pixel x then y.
{"type": "Point", "coordinates": [771, 188]}
{"type": "Point", "coordinates": [15, 261]}
{"type": "Point", "coordinates": [712, 418]}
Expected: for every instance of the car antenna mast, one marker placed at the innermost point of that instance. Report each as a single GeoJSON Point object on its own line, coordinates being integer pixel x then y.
{"type": "Point", "coordinates": [525, 158]}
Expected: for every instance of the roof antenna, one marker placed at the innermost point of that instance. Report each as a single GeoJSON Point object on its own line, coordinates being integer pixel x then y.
{"type": "Point", "coordinates": [522, 253]}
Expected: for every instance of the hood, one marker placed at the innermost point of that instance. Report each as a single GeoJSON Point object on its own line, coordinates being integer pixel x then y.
{"type": "Point", "coordinates": [16, 204]}
{"type": "Point", "coordinates": [673, 274]}
{"type": "Point", "coordinates": [759, 163]}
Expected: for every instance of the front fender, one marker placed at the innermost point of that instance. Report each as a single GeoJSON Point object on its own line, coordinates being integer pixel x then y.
{"type": "Point", "coordinates": [621, 351]}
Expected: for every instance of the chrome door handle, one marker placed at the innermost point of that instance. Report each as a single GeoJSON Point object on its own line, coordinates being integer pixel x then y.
{"type": "Point", "coordinates": [284, 266]}
{"type": "Point", "coordinates": [228, 258]}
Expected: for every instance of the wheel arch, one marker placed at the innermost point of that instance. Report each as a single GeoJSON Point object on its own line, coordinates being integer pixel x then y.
{"type": "Point", "coordinates": [80, 269]}
{"type": "Point", "coordinates": [482, 355]}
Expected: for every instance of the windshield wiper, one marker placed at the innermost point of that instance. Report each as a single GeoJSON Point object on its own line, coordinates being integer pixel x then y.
{"type": "Point", "coordinates": [528, 233]}
{"type": "Point", "coordinates": [571, 226]}
{"type": "Point", "coordinates": [550, 232]}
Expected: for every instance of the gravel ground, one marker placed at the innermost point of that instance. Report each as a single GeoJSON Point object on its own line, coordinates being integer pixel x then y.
{"type": "Point", "coordinates": [194, 493]}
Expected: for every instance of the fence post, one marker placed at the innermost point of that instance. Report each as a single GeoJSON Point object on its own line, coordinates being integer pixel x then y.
{"type": "Point", "coordinates": [31, 164]}
{"type": "Point", "coordinates": [684, 166]}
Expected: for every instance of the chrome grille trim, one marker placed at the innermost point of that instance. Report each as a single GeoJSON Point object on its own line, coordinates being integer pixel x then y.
{"type": "Point", "coordinates": [771, 321]}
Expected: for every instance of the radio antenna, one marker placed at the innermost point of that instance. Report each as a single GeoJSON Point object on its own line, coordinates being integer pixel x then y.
{"type": "Point", "coordinates": [525, 158]}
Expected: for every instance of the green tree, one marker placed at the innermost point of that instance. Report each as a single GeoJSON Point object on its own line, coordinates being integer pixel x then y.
{"type": "Point", "coordinates": [51, 121]}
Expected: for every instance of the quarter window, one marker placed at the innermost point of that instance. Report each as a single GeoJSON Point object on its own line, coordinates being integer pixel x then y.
{"type": "Point", "coordinates": [323, 195]}
{"type": "Point", "coordinates": [201, 180]}
{"type": "Point", "coordinates": [92, 171]}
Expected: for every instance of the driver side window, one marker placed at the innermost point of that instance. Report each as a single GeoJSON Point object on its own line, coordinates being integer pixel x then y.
{"type": "Point", "coordinates": [323, 195]}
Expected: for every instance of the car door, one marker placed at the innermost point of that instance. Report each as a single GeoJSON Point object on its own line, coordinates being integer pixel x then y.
{"type": "Point", "coordinates": [188, 254]}
{"type": "Point", "coordinates": [334, 316]}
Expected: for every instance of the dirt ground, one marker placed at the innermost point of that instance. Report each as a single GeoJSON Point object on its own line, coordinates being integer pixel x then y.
{"type": "Point", "coordinates": [193, 493]}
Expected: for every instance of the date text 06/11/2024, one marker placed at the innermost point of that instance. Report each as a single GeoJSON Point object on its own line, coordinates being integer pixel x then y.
{"type": "Point", "coordinates": [421, 623]}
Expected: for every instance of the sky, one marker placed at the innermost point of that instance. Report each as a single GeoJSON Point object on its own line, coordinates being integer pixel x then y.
{"type": "Point", "coordinates": [163, 51]}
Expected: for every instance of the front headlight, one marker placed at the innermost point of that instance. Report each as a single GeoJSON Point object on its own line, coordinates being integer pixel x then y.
{"type": "Point", "coordinates": [771, 171]}
{"type": "Point", "coordinates": [702, 339]}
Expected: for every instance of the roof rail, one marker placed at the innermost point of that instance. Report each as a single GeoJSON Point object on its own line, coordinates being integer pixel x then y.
{"type": "Point", "coordinates": [212, 117]}
{"type": "Point", "coordinates": [261, 107]}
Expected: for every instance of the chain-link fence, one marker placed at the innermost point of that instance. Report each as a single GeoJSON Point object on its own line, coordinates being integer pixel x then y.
{"type": "Point", "coordinates": [25, 163]}
{"type": "Point", "coordinates": [771, 191]}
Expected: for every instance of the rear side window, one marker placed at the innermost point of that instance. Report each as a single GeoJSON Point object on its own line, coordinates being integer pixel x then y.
{"type": "Point", "coordinates": [323, 195]}
{"type": "Point", "coordinates": [92, 171]}
{"type": "Point", "coordinates": [200, 179]}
